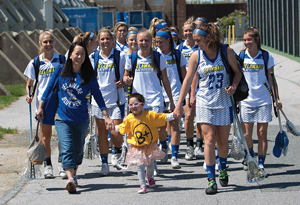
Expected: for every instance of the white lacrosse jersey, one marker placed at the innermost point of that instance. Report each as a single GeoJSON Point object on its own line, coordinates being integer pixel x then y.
{"type": "Point", "coordinates": [120, 47]}
{"type": "Point", "coordinates": [45, 72]}
{"type": "Point", "coordinates": [173, 76]}
{"type": "Point", "coordinates": [146, 81]}
{"type": "Point", "coordinates": [187, 52]}
{"type": "Point", "coordinates": [213, 79]}
{"type": "Point", "coordinates": [254, 71]}
{"type": "Point", "coordinates": [107, 79]}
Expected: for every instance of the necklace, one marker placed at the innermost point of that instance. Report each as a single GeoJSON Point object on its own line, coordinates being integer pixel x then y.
{"type": "Point", "coordinates": [139, 119]}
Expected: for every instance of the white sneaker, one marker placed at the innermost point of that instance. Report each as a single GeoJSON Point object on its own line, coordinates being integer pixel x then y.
{"type": "Point", "coordinates": [155, 173]}
{"type": "Point", "coordinates": [48, 172]}
{"type": "Point", "coordinates": [174, 162]}
{"type": "Point", "coordinates": [104, 170]}
{"type": "Point", "coordinates": [199, 153]}
{"type": "Point", "coordinates": [75, 177]}
{"type": "Point", "coordinates": [115, 158]}
{"type": "Point", "coordinates": [165, 159]}
{"type": "Point", "coordinates": [61, 171]}
{"type": "Point", "coordinates": [204, 165]}
{"type": "Point", "coordinates": [189, 153]}
{"type": "Point", "coordinates": [216, 165]}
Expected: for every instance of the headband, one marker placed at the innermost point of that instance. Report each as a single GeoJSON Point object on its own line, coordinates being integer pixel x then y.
{"type": "Point", "coordinates": [131, 32]}
{"type": "Point", "coordinates": [201, 19]}
{"type": "Point", "coordinates": [90, 38]}
{"type": "Point", "coordinates": [200, 32]}
{"type": "Point", "coordinates": [174, 33]}
{"type": "Point", "coordinates": [163, 34]}
{"type": "Point", "coordinates": [161, 25]}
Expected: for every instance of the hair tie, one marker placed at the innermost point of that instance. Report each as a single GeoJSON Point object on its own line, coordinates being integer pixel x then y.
{"type": "Point", "coordinates": [161, 25]}
{"type": "Point", "coordinates": [201, 19]}
{"type": "Point", "coordinates": [200, 32]}
{"type": "Point", "coordinates": [90, 38]}
{"type": "Point", "coordinates": [174, 33]}
{"type": "Point", "coordinates": [131, 32]}
{"type": "Point", "coordinates": [163, 34]}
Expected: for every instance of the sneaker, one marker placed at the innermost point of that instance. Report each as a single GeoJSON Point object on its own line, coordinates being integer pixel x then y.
{"type": "Point", "coordinates": [115, 158]}
{"type": "Point", "coordinates": [61, 171]}
{"type": "Point", "coordinates": [104, 170]}
{"type": "Point", "coordinates": [217, 164]}
{"type": "Point", "coordinates": [48, 172]}
{"type": "Point", "coordinates": [212, 187]}
{"type": "Point", "coordinates": [245, 165]}
{"type": "Point", "coordinates": [174, 163]}
{"type": "Point", "coordinates": [223, 177]}
{"type": "Point", "coordinates": [75, 177]}
{"type": "Point", "coordinates": [155, 173]}
{"type": "Point", "coordinates": [71, 187]}
{"type": "Point", "coordinates": [165, 159]}
{"type": "Point", "coordinates": [204, 165]}
{"type": "Point", "coordinates": [263, 169]}
{"type": "Point", "coordinates": [189, 153]}
{"type": "Point", "coordinates": [151, 182]}
{"type": "Point", "coordinates": [142, 190]}
{"type": "Point", "coordinates": [199, 153]}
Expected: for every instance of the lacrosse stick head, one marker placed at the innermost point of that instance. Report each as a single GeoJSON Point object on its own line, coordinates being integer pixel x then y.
{"type": "Point", "coordinates": [254, 173]}
{"type": "Point", "coordinates": [291, 128]}
{"type": "Point", "coordinates": [237, 150]}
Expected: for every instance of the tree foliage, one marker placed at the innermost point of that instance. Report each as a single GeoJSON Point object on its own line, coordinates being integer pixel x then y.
{"type": "Point", "coordinates": [230, 19]}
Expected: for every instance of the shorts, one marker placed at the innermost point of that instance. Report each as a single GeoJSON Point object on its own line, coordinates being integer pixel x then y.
{"type": "Point", "coordinates": [115, 112]}
{"type": "Point", "coordinates": [260, 114]}
{"type": "Point", "coordinates": [218, 117]}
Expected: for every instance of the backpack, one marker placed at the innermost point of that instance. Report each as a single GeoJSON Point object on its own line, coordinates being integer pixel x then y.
{"type": "Point", "coordinates": [177, 58]}
{"type": "Point", "coordinates": [116, 65]}
{"type": "Point", "coordinates": [36, 65]}
{"type": "Point", "coordinates": [242, 89]}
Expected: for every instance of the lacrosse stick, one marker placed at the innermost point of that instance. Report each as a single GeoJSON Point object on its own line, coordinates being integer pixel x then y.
{"type": "Point", "coordinates": [32, 171]}
{"type": "Point", "coordinates": [237, 151]}
{"type": "Point", "coordinates": [289, 125]}
{"type": "Point", "coordinates": [254, 173]}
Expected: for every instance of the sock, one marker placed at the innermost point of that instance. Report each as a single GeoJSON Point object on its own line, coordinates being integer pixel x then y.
{"type": "Point", "coordinates": [164, 144]}
{"type": "Point", "coordinates": [222, 164]}
{"type": "Point", "coordinates": [211, 172]}
{"type": "Point", "coordinates": [59, 158]}
{"type": "Point", "coordinates": [118, 150]}
{"type": "Point", "coordinates": [175, 149]}
{"type": "Point", "coordinates": [113, 150]}
{"type": "Point", "coordinates": [169, 139]}
{"type": "Point", "coordinates": [109, 135]}
{"type": "Point", "coordinates": [190, 142]}
{"type": "Point", "coordinates": [47, 161]}
{"type": "Point", "coordinates": [251, 151]}
{"type": "Point", "coordinates": [199, 142]}
{"type": "Point", "coordinates": [104, 158]}
{"type": "Point", "coordinates": [261, 159]}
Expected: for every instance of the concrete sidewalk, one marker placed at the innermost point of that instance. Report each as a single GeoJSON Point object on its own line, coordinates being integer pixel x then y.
{"type": "Point", "coordinates": [183, 186]}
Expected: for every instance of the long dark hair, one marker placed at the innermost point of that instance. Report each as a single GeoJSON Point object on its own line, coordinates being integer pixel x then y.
{"type": "Point", "coordinates": [87, 71]}
{"type": "Point", "coordinates": [171, 43]}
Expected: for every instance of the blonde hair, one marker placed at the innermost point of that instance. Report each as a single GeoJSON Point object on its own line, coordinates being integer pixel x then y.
{"type": "Point", "coordinates": [189, 21]}
{"type": "Point", "coordinates": [132, 28]}
{"type": "Point", "coordinates": [105, 30]}
{"type": "Point", "coordinates": [215, 40]}
{"type": "Point", "coordinates": [146, 31]}
{"type": "Point", "coordinates": [154, 22]}
{"type": "Point", "coordinates": [83, 37]}
{"type": "Point", "coordinates": [118, 25]}
{"type": "Point", "coordinates": [41, 36]}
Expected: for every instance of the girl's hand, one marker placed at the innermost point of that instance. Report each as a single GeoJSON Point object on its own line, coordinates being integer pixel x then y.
{"type": "Point", "coordinates": [230, 90]}
{"type": "Point", "coordinates": [40, 113]}
{"type": "Point", "coordinates": [109, 125]}
{"type": "Point", "coordinates": [28, 99]}
{"type": "Point", "coordinates": [278, 105]}
{"type": "Point", "coordinates": [128, 80]}
{"type": "Point", "coordinates": [192, 101]}
{"type": "Point", "coordinates": [177, 113]}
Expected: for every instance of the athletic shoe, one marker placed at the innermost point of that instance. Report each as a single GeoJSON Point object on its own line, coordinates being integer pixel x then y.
{"type": "Point", "coordinates": [48, 172]}
{"type": "Point", "coordinates": [245, 165]}
{"type": "Point", "coordinates": [151, 182]}
{"type": "Point", "coordinates": [104, 170]}
{"type": "Point", "coordinates": [75, 177]}
{"type": "Point", "coordinates": [142, 190]}
{"type": "Point", "coordinates": [212, 186]}
{"type": "Point", "coordinates": [71, 187]}
{"type": "Point", "coordinates": [189, 153]}
{"type": "Point", "coordinates": [61, 171]}
{"type": "Point", "coordinates": [223, 177]}
{"type": "Point", "coordinates": [199, 153]}
{"type": "Point", "coordinates": [263, 169]}
{"type": "Point", "coordinates": [204, 165]}
{"type": "Point", "coordinates": [155, 173]}
{"type": "Point", "coordinates": [115, 158]}
{"type": "Point", "coordinates": [165, 159]}
{"type": "Point", "coordinates": [174, 163]}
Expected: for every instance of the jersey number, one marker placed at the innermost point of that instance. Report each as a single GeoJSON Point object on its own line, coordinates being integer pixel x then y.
{"type": "Point", "coordinates": [215, 77]}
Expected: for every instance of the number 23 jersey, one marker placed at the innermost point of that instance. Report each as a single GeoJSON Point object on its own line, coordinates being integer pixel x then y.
{"type": "Point", "coordinates": [213, 79]}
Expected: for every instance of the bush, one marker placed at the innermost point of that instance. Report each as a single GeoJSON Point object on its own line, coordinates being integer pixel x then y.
{"type": "Point", "coordinates": [230, 19]}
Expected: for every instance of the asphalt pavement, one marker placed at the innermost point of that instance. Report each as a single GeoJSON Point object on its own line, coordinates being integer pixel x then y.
{"type": "Point", "coordinates": [182, 186]}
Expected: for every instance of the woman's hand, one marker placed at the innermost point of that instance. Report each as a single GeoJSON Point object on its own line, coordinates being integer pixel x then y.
{"type": "Point", "coordinates": [128, 80]}
{"type": "Point", "coordinates": [120, 84]}
{"type": "Point", "coordinates": [109, 125]}
{"type": "Point", "coordinates": [177, 113]}
{"type": "Point", "coordinates": [278, 105]}
{"type": "Point", "coordinates": [192, 101]}
{"type": "Point", "coordinates": [40, 113]}
{"type": "Point", "coordinates": [230, 90]}
{"type": "Point", "coordinates": [28, 99]}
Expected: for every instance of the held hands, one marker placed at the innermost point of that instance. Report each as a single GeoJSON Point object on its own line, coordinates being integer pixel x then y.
{"type": "Point", "coordinates": [177, 113]}
{"type": "Point", "coordinates": [230, 90]}
{"type": "Point", "coordinates": [109, 125]}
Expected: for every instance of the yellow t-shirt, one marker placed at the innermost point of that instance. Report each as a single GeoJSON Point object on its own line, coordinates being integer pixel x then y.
{"type": "Point", "coordinates": [142, 129]}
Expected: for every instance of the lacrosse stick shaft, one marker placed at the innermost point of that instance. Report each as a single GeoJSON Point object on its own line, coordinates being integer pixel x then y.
{"type": "Point", "coordinates": [32, 171]}
{"type": "Point", "coordinates": [271, 93]}
{"type": "Point", "coordinates": [275, 97]}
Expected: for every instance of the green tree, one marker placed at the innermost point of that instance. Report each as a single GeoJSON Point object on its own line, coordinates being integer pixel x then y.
{"type": "Point", "coordinates": [230, 19]}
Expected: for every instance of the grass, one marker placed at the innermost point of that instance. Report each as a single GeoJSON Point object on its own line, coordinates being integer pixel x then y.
{"type": "Point", "coordinates": [9, 130]}
{"type": "Point", "coordinates": [16, 91]}
{"type": "Point", "coordinates": [281, 53]}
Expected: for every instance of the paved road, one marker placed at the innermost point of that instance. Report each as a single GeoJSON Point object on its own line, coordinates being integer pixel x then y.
{"type": "Point", "coordinates": [187, 184]}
